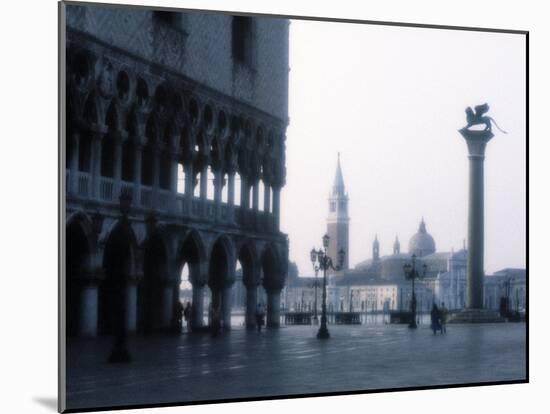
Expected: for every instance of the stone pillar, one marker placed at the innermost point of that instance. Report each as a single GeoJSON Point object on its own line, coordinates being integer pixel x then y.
{"type": "Point", "coordinates": [174, 180]}
{"type": "Point", "coordinates": [231, 195]}
{"type": "Point", "coordinates": [137, 175]}
{"type": "Point", "coordinates": [72, 186]}
{"type": "Point", "coordinates": [227, 302]}
{"type": "Point", "coordinates": [189, 178]}
{"type": "Point", "coordinates": [476, 141]}
{"type": "Point", "coordinates": [276, 207]}
{"type": "Point", "coordinates": [117, 166]}
{"type": "Point", "coordinates": [87, 323]}
{"type": "Point", "coordinates": [218, 186]}
{"type": "Point", "coordinates": [95, 169]}
{"type": "Point", "coordinates": [273, 308]}
{"type": "Point", "coordinates": [156, 177]}
{"type": "Point", "coordinates": [189, 187]}
{"type": "Point", "coordinates": [251, 304]}
{"type": "Point", "coordinates": [204, 189]}
{"type": "Point", "coordinates": [244, 192]}
{"type": "Point", "coordinates": [166, 309]}
{"type": "Point", "coordinates": [267, 198]}
{"type": "Point", "coordinates": [198, 306]}
{"type": "Point", "coordinates": [255, 195]}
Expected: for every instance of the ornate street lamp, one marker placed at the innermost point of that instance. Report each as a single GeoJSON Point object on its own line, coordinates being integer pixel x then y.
{"type": "Point", "coordinates": [313, 255]}
{"type": "Point", "coordinates": [321, 261]}
{"type": "Point", "coordinates": [412, 273]}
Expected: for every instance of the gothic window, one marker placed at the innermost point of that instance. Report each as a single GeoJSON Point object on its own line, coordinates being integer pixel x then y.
{"type": "Point", "coordinates": [332, 206]}
{"type": "Point", "coordinates": [342, 205]}
{"type": "Point", "coordinates": [241, 35]}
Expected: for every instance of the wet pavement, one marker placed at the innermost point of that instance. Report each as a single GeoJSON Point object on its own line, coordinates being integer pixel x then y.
{"type": "Point", "coordinates": [290, 360]}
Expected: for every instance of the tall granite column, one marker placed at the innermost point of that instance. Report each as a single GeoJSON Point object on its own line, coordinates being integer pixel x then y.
{"type": "Point", "coordinates": [476, 141]}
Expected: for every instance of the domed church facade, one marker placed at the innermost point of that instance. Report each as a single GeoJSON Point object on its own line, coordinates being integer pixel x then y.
{"type": "Point", "coordinates": [378, 284]}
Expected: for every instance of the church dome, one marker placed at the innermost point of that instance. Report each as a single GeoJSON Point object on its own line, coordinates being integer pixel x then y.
{"type": "Point", "coordinates": [421, 243]}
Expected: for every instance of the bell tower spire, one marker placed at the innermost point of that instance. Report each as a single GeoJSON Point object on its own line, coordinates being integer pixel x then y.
{"type": "Point", "coordinates": [338, 219]}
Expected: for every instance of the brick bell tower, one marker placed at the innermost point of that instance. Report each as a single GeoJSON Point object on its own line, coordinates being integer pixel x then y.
{"type": "Point", "coordinates": [338, 219]}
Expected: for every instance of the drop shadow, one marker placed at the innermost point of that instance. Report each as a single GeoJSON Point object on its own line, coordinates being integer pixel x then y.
{"type": "Point", "coordinates": [48, 402]}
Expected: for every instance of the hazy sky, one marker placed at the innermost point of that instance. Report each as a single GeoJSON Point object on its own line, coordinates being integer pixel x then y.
{"type": "Point", "coordinates": [391, 100]}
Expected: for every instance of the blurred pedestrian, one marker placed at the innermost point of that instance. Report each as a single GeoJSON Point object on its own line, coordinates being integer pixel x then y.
{"type": "Point", "coordinates": [435, 319]}
{"type": "Point", "coordinates": [444, 313]}
{"type": "Point", "coordinates": [260, 314]}
{"type": "Point", "coordinates": [187, 315]}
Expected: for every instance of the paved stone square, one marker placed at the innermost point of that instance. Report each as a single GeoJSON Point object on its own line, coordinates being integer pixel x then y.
{"type": "Point", "coordinates": [291, 360]}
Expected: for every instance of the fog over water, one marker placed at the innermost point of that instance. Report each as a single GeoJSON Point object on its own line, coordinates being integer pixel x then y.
{"type": "Point", "coordinates": [390, 100]}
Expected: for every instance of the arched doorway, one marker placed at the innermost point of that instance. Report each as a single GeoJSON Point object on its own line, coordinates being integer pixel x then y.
{"type": "Point", "coordinates": [117, 293]}
{"type": "Point", "coordinates": [190, 261]}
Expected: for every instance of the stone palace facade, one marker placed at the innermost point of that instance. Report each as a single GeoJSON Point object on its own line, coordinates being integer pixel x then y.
{"type": "Point", "coordinates": [180, 117]}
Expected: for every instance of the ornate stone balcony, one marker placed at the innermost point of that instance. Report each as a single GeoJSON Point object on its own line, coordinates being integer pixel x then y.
{"type": "Point", "coordinates": [166, 203]}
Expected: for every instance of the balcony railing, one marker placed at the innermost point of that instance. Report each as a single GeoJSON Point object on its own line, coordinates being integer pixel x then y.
{"type": "Point", "coordinates": [107, 189]}
{"type": "Point", "coordinates": [83, 184]}
{"type": "Point", "coordinates": [167, 202]}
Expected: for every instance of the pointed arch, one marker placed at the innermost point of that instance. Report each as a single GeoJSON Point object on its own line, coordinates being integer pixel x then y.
{"type": "Point", "coordinates": [250, 263]}
{"type": "Point", "coordinates": [78, 267]}
{"type": "Point", "coordinates": [192, 252]}
{"type": "Point", "coordinates": [221, 262]}
{"type": "Point", "coordinates": [119, 266]}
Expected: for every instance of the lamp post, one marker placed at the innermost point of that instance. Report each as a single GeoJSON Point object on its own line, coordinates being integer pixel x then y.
{"type": "Point", "coordinates": [412, 273]}
{"type": "Point", "coordinates": [321, 261]}
{"type": "Point", "coordinates": [316, 269]}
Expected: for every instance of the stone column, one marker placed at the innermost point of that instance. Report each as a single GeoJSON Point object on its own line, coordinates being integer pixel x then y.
{"type": "Point", "coordinates": [244, 192]}
{"type": "Point", "coordinates": [72, 186]}
{"type": "Point", "coordinates": [276, 207]}
{"type": "Point", "coordinates": [255, 195]}
{"type": "Point", "coordinates": [273, 307]}
{"type": "Point", "coordinates": [267, 198]}
{"type": "Point", "coordinates": [137, 175]}
{"type": "Point", "coordinates": [95, 169]}
{"type": "Point", "coordinates": [227, 302]}
{"type": "Point", "coordinates": [166, 309]}
{"type": "Point", "coordinates": [198, 305]}
{"type": "Point", "coordinates": [156, 178]}
{"type": "Point", "coordinates": [231, 195]}
{"type": "Point", "coordinates": [204, 188]}
{"type": "Point", "coordinates": [117, 167]}
{"type": "Point", "coordinates": [174, 181]}
{"type": "Point", "coordinates": [189, 186]}
{"type": "Point", "coordinates": [251, 304]}
{"type": "Point", "coordinates": [476, 141]}
{"type": "Point", "coordinates": [218, 186]}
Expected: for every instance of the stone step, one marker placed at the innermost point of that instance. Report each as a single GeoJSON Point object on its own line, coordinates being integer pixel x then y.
{"type": "Point", "coordinates": [476, 316]}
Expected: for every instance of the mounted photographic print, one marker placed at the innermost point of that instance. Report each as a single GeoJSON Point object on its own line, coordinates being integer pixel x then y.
{"type": "Point", "coordinates": [257, 206]}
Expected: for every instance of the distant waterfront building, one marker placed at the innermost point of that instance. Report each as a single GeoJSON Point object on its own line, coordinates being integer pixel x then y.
{"type": "Point", "coordinates": [378, 284]}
